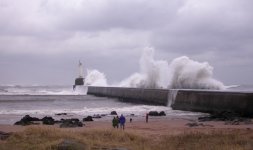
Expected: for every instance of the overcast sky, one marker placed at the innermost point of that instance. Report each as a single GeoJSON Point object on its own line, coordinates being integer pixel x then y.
{"type": "Point", "coordinates": [41, 41]}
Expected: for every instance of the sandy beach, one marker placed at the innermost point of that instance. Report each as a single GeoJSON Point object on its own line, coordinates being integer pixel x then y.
{"type": "Point", "coordinates": [158, 132]}
{"type": "Point", "coordinates": [155, 126]}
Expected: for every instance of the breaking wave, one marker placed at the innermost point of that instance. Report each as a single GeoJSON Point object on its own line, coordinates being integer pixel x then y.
{"type": "Point", "coordinates": [181, 73]}
{"type": "Point", "coordinates": [95, 78]}
{"type": "Point", "coordinates": [153, 74]}
{"type": "Point", "coordinates": [190, 74]}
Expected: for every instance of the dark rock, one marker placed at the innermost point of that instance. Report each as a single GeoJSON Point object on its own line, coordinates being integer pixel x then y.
{"type": "Point", "coordinates": [4, 135]}
{"type": "Point", "coordinates": [96, 116]}
{"type": "Point", "coordinates": [57, 121]}
{"type": "Point", "coordinates": [114, 113]}
{"type": "Point", "coordinates": [131, 114]}
{"type": "Point", "coordinates": [26, 120]}
{"type": "Point", "coordinates": [230, 118]}
{"type": "Point", "coordinates": [74, 119]}
{"type": "Point", "coordinates": [153, 113]}
{"type": "Point", "coordinates": [71, 123]}
{"type": "Point", "coordinates": [59, 114]}
{"type": "Point", "coordinates": [88, 118]}
{"type": "Point", "coordinates": [70, 145]}
{"type": "Point", "coordinates": [162, 113]}
{"type": "Point", "coordinates": [48, 120]}
{"type": "Point", "coordinates": [80, 124]}
{"type": "Point", "coordinates": [22, 123]}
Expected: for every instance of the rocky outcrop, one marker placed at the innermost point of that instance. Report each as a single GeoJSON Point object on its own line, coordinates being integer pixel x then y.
{"type": "Point", "coordinates": [114, 113]}
{"type": "Point", "coordinates": [60, 114]}
{"type": "Point", "coordinates": [48, 120]}
{"type": "Point", "coordinates": [162, 113]}
{"type": "Point", "coordinates": [64, 123]}
{"type": "Point", "coordinates": [97, 116]}
{"type": "Point", "coordinates": [70, 123]}
{"type": "Point", "coordinates": [229, 117]}
{"type": "Point", "coordinates": [156, 113]}
{"type": "Point", "coordinates": [26, 120]}
{"type": "Point", "coordinates": [88, 118]}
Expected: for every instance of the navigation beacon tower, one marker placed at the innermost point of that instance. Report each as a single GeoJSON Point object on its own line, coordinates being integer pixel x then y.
{"type": "Point", "coordinates": [80, 79]}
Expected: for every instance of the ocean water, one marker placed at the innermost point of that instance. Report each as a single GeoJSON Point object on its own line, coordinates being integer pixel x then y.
{"type": "Point", "coordinates": [40, 101]}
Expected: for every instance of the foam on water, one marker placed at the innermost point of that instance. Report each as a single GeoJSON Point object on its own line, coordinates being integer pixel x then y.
{"type": "Point", "coordinates": [78, 105]}
{"type": "Point", "coordinates": [40, 90]}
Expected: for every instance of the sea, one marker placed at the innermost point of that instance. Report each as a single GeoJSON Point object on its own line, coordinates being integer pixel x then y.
{"type": "Point", "coordinates": [38, 101]}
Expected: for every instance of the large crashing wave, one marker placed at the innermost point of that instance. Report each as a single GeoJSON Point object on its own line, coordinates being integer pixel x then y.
{"type": "Point", "coordinates": [95, 78]}
{"type": "Point", "coordinates": [182, 73]}
{"type": "Point", "coordinates": [190, 74]}
{"type": "Point", "coordinates": [153, 74]}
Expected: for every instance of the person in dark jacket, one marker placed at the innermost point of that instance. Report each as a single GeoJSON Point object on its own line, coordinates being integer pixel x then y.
{"type": "Point", "coordinates": [117, 118]}
{"type": "Point", "coordinates": [122, 121]}
{"type": "Point", "coordinates": [115, 122]}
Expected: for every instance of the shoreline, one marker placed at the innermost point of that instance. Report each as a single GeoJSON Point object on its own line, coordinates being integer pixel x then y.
{"type": "Point", "coordinates": [156, 125]}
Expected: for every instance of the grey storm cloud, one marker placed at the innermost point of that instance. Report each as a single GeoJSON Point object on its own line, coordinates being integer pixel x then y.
{"type": "Point", "coordinates": [49, 36]}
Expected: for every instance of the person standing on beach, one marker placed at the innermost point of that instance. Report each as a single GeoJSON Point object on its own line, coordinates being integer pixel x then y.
{"type": "Point", "coordinates": [122, 121]}
{"type": "Point", "coordinates": [117, 119]}
{"type": "Point", "coordinates": [146, 117]}
{"type": "Point", "coordinates": [115, 122]}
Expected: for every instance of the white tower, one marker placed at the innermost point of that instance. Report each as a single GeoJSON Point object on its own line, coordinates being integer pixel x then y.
{"type": "Point", "coordinates": [80, 69]}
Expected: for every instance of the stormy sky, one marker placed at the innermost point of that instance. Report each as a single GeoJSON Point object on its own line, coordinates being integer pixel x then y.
{"type": "Point", "coordinates": [41, 41]}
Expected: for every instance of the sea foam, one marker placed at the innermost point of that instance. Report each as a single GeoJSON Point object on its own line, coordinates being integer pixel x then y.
{"type": "Point", "coordinates": [181, 73]}
{"type": "Point", "coordinates": [95, 78]}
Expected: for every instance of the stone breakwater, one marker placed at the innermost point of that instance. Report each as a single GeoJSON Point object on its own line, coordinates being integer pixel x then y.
{"type": "Point", "coordinates": [136, 95]}
{"type": "Point", "coordinates": [213, 101]}
{"type": "Point", "coordinates": [190, 100]}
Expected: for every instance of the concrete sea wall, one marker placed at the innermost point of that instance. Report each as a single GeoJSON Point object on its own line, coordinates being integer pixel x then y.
{"type": "Point", "coordinates": [213, 101]}
{"type": "Point", "coordinates": [136, 95]}
{"type": "Point", "coordinates": [190, 100]}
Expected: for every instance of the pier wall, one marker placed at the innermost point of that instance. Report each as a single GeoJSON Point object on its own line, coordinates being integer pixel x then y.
{"type": "Point", "coordinates": [137, 95]}
{"type": "Point", "coordinates": [213, 101]}
{"type": "Point", "coordinates": [190, 100]}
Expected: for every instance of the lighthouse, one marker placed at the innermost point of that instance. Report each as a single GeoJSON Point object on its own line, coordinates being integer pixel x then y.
{"type": "Point", "coordinates": [80, 79]}
{"type": "Point", "coordinates": [79, 88]}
